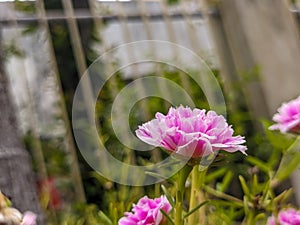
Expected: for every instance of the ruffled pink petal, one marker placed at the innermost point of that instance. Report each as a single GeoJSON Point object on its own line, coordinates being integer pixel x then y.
{"type": "Point", "coordinates": [285, 217]}
{"type": "Point", "coordinates": [288, 117]}
{"type": "Point", "coordinates": [190, 133]}
{"type": "Point", "coordinates": [29, 218]}
{"type": "Point", "coordinates": [146, 212]}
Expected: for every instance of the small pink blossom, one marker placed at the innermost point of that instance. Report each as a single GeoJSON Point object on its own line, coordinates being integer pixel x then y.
{"type": "Point", "coordinates": [285, 217]}
{"type": "Point", "coordinates": [147, 212]}
{"type": "Point", "coordinates": [191, 133]}
{"type": "Point", "coordinates": [288, 117]}
{"type": "Point", "coordinates": [29, 218]}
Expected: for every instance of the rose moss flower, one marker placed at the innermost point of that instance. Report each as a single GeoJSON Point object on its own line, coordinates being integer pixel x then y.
{"type": "Point", "coordinates": [288, 117]}
{"type": "Point", "coordinates": [29, 218]}
{"type": "Point", "coordinates": [191, 133]}
{"type": "Point", "coordinates": [285, 217]}
{"type": "Point", "coordinates": [147, 212]}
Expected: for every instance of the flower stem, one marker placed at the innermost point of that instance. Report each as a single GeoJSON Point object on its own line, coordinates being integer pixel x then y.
{"type": "Point", "coordinates": [250, 219]}
{"type": "Point", "coordinates": [183, 175]}
{"type": "Point", "coordinates": [178, 208]}
{"type": "Point", "coordinates": [197, 197]}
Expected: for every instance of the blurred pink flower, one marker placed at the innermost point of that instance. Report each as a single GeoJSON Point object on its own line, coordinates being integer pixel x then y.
{"type": "Point", "coordinates": [29, 218]}
{"type": "Point", "coordinates": [147, 212]}
{"type": "Point", "coordinates": [191, 133]}
{"type": "Point", "coordinates": [288, 117]}
{"type": "Point", "coordinates": [285, 217]}
{"type": "Point", "coordinates": [47, 187]}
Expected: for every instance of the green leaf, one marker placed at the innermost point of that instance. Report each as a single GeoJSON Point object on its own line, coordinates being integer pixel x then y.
{"type": "Point", "coordinates": [260, 216]}
{"type": "Point", "coordinates": [277, 140]}
{"type": "Point", "coordinates": [245, 187]}
{"type": "Point", "coordinates": [267, 191]}
{"type": "Point", "coordinates": [156, 175]}
{"type": "Point", "coordinates": [230, 199]}
{"type": "Point", "coordinates": [216, 174]}
{"type": "Point", "coordinates": [168, 195]}
{"type": "Point", "coordinates": [256, 188]}
{"type": "Point", "coordinates": [290, 161]}
{"type": "Point", "coordinates": [246, 206]}
{"type": "Point", "coordinates": [284, 196]}
{"type": "Point", "coordinates": [226, 181]}
{"type": "Point", "coordinates": [195, 209]}
{"type": "Point", "coordinates": [104, 218]}
{"type": "Point", "coordinates": [259, 163]}
{"type": "Point", "coordinates": [167, 216]}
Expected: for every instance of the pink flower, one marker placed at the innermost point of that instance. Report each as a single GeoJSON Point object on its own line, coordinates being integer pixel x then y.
{"type": "Point", "coordinates": [29, 218]}
{"type": "Point", "coordinates": [288, 117]}
{"type": "Point", "coordinates": [286, 217]}
{"type": "Point", "coordinates": [191, 133]}
{"type": "Point", "coordinates": [147, 212]}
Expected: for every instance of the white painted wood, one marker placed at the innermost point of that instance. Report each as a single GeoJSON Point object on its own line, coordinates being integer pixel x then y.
{"type": "Point", "coordinates": [264, 34]}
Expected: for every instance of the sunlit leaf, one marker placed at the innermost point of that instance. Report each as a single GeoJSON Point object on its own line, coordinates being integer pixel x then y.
{"type": "Point", "coordinates": [245, 186]}
{"type": "Point", "coordinates": [195, 209]}
{"type": "Point", "coordinates": [167, 217]}
{"type": "Point", "coordinates": [104, 218]}
{"type": "Point", "coordinates": [259, 163]}
{"type": "Point", "coordinates": [215, 174]}
{"type": "Point", "coordinates": [226, 181]}
{"type": "Point", "coordinates": [168, 195]}
{"type": "Point", "coordinates": [289, 162]}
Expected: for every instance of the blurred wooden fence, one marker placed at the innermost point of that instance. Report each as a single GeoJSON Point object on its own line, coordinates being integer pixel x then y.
{"type": "Point", "coordinates": [14, 21]}
{"type": "Point", "coordinates": [262, 35]}
{"type": "Point", "coordinates": [250, 38]}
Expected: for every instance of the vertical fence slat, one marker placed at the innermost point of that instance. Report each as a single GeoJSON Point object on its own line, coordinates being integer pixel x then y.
{"type": "Point", "coordinates": [76, 175]}
{"type": "Point", "coordinates": [205, 77]}
{"type": "Point", "coordinates": [18, 182]}
{"type": "Point", "coordinates": [113, 82]}
{"type": "Point", "coordinates": [190, 26]}
{"type": "Point", "coordinates": [122, 17]}
{"type": "Point", "coordinates": [243, 58]}
{"type": "Point", "coordinates": [223, 52]}
{"type": "Point", "coordinates": [172, 37]}
{"type": "Point", "coordinates": [156, 156]}
{"type": "Point", "coordinates": [37, 150]}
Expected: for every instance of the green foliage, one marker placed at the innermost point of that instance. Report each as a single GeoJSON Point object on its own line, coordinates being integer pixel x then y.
{"type": "Point", "coordinates": [54, 154]}
{"type": "Point", "coordinates": [173, 2]}
{"type": "Point", "coordinates": [82, 214]}
{"type": "Point", "coordinates": [195, 209]}
{"type": "Point", "coordinates": [27, 7]}
{"type": "Point", "coordinates": [12, 49]}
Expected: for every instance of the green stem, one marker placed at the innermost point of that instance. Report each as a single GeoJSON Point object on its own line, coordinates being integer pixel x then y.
{"type": "Point", "coordinates": [183, 175]}
{"type": "Point", "coordinates": [178, 208]}
{"type": "Point", "coordinates": [251, 220]}
{"type": "Point", "coordinates": [197, 197]}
